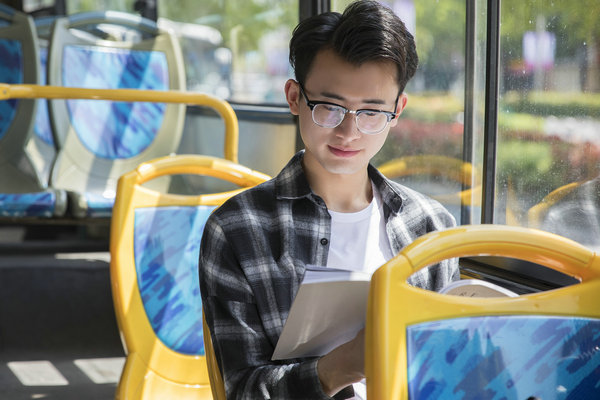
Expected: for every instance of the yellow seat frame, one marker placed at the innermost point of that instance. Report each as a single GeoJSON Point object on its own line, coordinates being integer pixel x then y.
{"type": "Point", "coordinates": [153, 370]}
{"type": "Point", "coordinates": [224, 109]}
{"type": "Point", "coordinates": [394, 305]}
{"type": "Point", "coordinates": [536, 214]}
{"type": "Point", "coordinates": [437, 165]}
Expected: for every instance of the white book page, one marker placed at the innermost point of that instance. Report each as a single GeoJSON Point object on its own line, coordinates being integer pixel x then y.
{"type": "Point", "coordinates": [476, 288]}
{"type": "Point", "coordinates": [331, 305]}
{"type": "Point", "coordinates": [329, 310]}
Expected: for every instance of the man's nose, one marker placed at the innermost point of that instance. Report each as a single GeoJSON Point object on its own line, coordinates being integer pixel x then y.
{"type": "Point", "coordinates": [348, 128]}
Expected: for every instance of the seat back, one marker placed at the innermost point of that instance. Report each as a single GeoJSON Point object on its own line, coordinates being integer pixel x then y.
{"type": "Point", "coordinates": [537, 213]}
{"type": "Point", "coordinates": [217, 385]}
{"type": "Point", "coordinates": [98, 141]}
{"type": "Point", "coordinates": [41, 147]}
{"type": "Point", "coordinates": [19, 62]}
{"type": "Point", "coordinates": [155, 244]}
{"type": "Point", "coordinates": [572, 211]}
{"type": "Point", "coordinates": [22, 190]}
{"type": "Point", "coordinates": [422, 344]}
{"type": "Point", "coordinates": [8, 91]}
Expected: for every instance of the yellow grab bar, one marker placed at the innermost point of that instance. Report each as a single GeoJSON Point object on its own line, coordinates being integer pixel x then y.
{"type": "Point", "coordinates": [224, 109]}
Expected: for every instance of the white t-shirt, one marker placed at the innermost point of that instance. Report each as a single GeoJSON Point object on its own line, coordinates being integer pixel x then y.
{"type": "Point", "coordinates": [359, 242]}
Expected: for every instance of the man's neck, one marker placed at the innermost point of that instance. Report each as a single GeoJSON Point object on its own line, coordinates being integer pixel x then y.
{"type": "Point", "coordinates": [340, 192]}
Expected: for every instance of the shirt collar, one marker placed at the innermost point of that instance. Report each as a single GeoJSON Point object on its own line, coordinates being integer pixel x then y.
{"type": "Point", "coordinates": [390, 195]}
{"type": "Point", "coordinates": [291, 183]}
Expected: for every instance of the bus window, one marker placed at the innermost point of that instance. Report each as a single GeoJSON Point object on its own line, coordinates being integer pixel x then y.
{"type": "Point", "coordinates": [207, 62]}
{"type": "Point", "coordinates": [432, 123]}
{"type": "Point", "coordinates": [249, 64]}
{"type": "Point", "coordinates": [548, 153]}
{"type": "Point", "coordinates": [30, 6]}
{"type": "Point", "coordinates": [77, 6]}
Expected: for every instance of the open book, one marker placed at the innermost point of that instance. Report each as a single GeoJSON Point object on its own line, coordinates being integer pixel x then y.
{"type": "Point", "coordinates": [330, 308]}
{"type": "Point", "coordinates": [476, 288]}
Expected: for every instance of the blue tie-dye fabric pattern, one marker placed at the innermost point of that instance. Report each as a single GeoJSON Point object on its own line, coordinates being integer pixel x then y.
{"type": "Point", "coordinates": [27, 204]}
{"type": "Point", "coordinates": [99, 206]}
{"type": "Point", "coordinates": [42, 121]}
{"type": "Point", "coordinates": [115, 130]}
{"type": "Point", "coordinates": [167, 246]}
{"type": "Point", "coordinates": [11, 71]}
{"type": "Point", "coordinates": [504, 357]}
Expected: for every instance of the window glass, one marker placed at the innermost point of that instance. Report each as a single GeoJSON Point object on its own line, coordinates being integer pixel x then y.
{"type": "Point", "coordinates": [425, 149]}
{"type": "Point", "coordinates": [33, 5]}
{"type": "Point", "coordinates": [75, 6]}
{"type": "Point", "coordinates": [475, 104]}
{"type": "Point", "coordinates": [549, 119]}
{"type": "Point", "coordinates": [236, 49]}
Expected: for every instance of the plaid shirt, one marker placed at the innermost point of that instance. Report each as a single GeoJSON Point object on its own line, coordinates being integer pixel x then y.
{"type": "Point", "coordinates": [252, 259]}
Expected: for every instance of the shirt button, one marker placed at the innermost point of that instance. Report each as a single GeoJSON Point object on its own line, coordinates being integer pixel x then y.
{"type": "Point", "coordinates": [324, 241]}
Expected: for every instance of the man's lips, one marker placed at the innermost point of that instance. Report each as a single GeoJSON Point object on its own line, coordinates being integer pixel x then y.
{"type": "Point", "coordinates": [343, 153]}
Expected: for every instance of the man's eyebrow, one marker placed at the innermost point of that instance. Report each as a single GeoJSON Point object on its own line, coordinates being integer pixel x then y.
{"type": "Point", "coordinates": [338, 97]}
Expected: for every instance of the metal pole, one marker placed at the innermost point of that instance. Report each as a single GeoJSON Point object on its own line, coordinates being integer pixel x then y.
{"type": "Point", "coordinates": [469, 113]}
{"type": "Point", "coordinates": [491, 111]}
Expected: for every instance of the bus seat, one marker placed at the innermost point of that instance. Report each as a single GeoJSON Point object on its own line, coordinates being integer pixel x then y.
{"type": "Point", "coordinates": [222, 108]}
{"type": "Point", "coordinates": [98, 141]}
{"type": "Point", "coordinates": [23, 191]}
{"type": "Point", "coordinates": [437, 165]}
{"type": "Point", "coordinates": [536, 214]}
{"type": "Point", "coordinates": [217, 385]}
{"type": "Point", "coordinates": [154, 246]}
{"type": "Point", "coordinates": [41, 146]}
{"type": "Point", "coordinates": [540, 345]}
{"type": "Point", "coordinates": [572, 211]}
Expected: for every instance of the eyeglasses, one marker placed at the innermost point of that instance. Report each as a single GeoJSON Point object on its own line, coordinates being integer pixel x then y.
{"type": "Point", "coordinates": [330, 115]}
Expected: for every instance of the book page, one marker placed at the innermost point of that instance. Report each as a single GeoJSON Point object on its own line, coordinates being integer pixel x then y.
{"type": "Point", "coordinates": [476, 288]}
{"type": "Point", "coordinates": [329, 310]}
{"type": "Point", "coordinates": [331, 305]}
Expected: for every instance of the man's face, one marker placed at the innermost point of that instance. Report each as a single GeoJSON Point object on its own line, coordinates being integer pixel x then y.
{"type": "Point", "coordinates": [344, 149]}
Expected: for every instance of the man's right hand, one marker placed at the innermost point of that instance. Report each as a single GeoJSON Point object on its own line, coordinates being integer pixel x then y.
{"type": "Point", "coordinates": [343, 365]}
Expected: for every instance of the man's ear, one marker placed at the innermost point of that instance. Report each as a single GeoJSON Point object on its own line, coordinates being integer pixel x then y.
{"type": "Point", "coordinates": [402, 100]}
{"type": "Point", "coordinates": [292, 95]}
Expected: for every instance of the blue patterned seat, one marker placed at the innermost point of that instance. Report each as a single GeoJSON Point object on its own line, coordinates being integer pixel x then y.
{"type": "Point", "coordinates": [504, 357]}
{"type": "Point", "coordinates": [23, 191]}
{"type": "Point", "coordinates": [97, 140]}
{"type": "Point", "coordinates": [426, 345]}
{"type": "Point", "coordinates": [166, 248]}
{"type": "Point", "coordinates": [41, 147]}
{"type": "Point", "coordinates": [155, 244]}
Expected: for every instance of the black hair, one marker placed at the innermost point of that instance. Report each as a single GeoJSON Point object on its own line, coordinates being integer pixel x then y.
{"type": "Point", "coordinates": [366, 31]}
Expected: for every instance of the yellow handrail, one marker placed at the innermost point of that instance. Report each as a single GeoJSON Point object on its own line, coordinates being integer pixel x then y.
{"type": "Point", "coordinates": [224, 109]}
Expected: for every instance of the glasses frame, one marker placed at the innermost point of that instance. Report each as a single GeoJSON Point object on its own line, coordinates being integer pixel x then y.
{"type": "Point", "coordinates": [311, 104]}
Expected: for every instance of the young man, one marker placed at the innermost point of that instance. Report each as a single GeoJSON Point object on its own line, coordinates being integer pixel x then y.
{"type": "Point", "coordinates": [328, 206]}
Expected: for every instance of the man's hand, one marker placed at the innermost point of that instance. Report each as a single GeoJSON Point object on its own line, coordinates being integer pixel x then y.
{"type": "Point", "coordinates": [343, 365]}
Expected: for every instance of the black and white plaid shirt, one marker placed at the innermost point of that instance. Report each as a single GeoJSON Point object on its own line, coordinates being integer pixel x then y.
{"type": "Point", "coordinates": [252, 259]}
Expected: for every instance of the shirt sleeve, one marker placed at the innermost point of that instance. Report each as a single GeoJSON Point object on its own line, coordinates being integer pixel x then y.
{"type": "Point", "coordinates": [242, 348]}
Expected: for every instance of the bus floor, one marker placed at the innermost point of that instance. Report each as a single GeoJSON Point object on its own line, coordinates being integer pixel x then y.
{"type": "Point", "coordinates": [58, 333]}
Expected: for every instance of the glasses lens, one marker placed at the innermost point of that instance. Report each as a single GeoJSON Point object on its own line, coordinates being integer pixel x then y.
{"type": "Point", "coordinates": [371, 122]}
{"type": "Point", "coordinates": [327, 116]}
